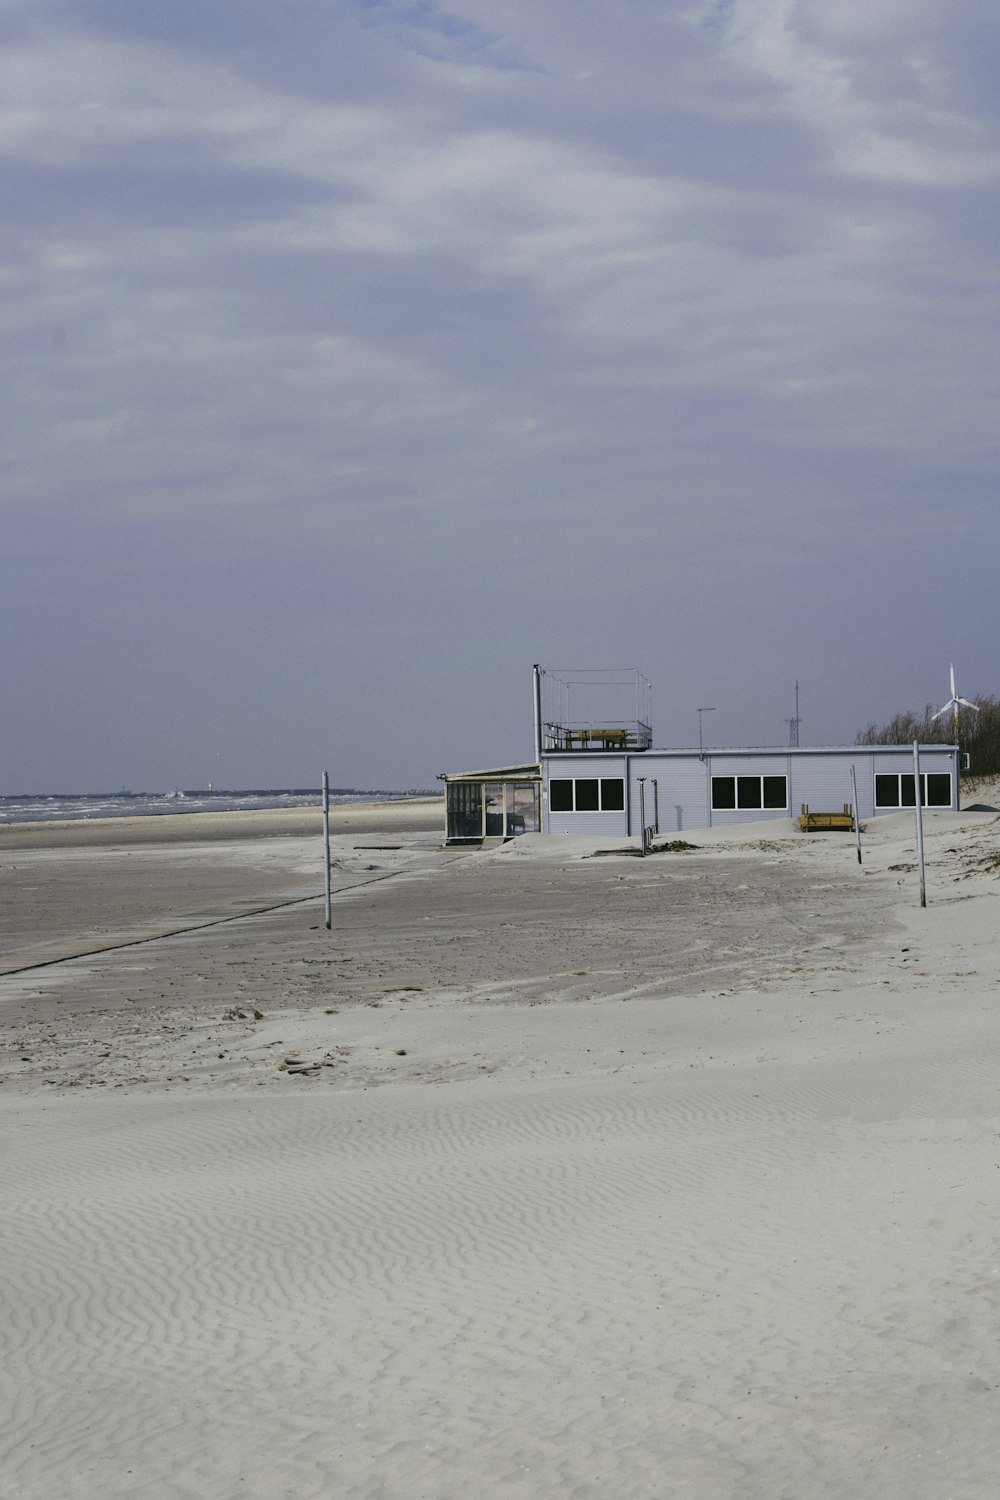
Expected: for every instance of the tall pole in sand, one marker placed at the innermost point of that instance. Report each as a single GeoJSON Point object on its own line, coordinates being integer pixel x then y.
{"type": "Point", "coordinates": [920, 821]}
{"type": "Point", "coordinates": [857, 814]}
{"type": "Point", "coordinates": [642, 811]}
{"type": "Point", "coordinates": [326, 847]}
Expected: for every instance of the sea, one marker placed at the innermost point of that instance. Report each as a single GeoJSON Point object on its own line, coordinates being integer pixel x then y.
{"type": "Point", "coordinates": [62, 806]}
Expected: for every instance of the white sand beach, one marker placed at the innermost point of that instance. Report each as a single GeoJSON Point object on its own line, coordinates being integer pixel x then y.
{"type": "Point", "coordinates": [546, 1172]}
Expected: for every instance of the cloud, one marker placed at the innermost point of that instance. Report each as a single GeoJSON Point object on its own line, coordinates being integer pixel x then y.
{"type": "Point", "coordinates": [539, 304]}
{"type": "Point", "coordinates": [430, 28]}
{"type": "Point", "coordinates": [896, 123]}
{"type": "Point", "coordinates": [736, 285]}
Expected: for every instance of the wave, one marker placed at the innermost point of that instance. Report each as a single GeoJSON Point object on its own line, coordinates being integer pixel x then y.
{"type": "Point", "coordinates": [63, 806]}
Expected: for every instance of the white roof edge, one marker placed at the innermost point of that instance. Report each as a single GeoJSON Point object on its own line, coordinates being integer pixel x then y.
{"type": "Point", "coordinates": [599, 755]}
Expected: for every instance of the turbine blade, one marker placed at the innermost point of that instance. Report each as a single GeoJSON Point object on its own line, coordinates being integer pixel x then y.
{"type": "Point", "coordinates": [966, 704]}
{"type": "Point", "coordinates": [941, 711]}
{"type": "Point", "coordinates": [953, 679]}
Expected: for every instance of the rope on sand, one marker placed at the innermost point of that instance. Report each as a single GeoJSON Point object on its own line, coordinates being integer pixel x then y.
{"type": "Point", "coordinates": [243, 916]}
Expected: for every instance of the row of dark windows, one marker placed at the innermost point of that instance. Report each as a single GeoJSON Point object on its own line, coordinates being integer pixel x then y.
{"type": "Point", "coordinates": [590, 794]}
{"type": "Point", "coordinates": [607, 793]}
{"type": "Point", "coordinates": [898, 791]}
{"type": "Point", "coordinates": [749, 792]}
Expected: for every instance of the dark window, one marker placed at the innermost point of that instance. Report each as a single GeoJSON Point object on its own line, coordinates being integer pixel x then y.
{"type": "Point", "coordinates": [587, 796]}
{"type": "Point", "coordinates": [907, 795]}
{"type": "Point", "coordinates": [723, 792]}
{"type": "Point", "coordinates": [886, 791]}
{"type": "Point", "coordinates": [612, 794]}
{"type": "Point", "coordinates": [937, 789]}
{"type": "Point", "coordinates": [560, 796]}
{"type": "Point", "coordinates": [748, 791]}
{"type": "Point", "coordinates": [775, 791]}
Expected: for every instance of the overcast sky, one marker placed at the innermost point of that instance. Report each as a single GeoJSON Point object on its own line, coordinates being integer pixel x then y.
{"type": "Point", "coordinates": [360, 353]}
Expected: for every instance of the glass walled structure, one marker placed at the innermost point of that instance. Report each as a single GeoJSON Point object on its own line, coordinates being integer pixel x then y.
{"type": "Point", "coordinates": [496, 804]}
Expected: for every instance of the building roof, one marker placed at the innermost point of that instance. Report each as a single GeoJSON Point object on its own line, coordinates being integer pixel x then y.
{"type": "Point", "coordinates": [528, 772]}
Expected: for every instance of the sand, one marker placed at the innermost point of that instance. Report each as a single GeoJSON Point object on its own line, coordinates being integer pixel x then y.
{"type": "Point", "coordinates": [545, 1173]}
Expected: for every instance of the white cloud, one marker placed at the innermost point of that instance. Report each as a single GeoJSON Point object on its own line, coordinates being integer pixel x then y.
{"type": "Point", "coordinates": [894, 125]}
{"type": "Point", "coordinates": [647, 278]}
{"type": "Point", "coordinates": [652, 276]}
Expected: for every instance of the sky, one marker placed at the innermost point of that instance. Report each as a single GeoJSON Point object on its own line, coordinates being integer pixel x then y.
{"type": "Point", "coordinates": [359, 354]}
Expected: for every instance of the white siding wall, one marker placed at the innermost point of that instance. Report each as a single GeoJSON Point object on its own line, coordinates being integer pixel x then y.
{"type": "Point", "coordinates": [684, 795]}
{"type": "Point", "coordinates": [611, 823]}
{"type": "Point", "coordinates": [595, 766]}
{"type": "Point", "coordinates": [822, 779]}
{"type": "Point", "coordinates": [824, 783]}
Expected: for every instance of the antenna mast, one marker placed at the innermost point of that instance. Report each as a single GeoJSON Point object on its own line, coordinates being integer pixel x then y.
{"type": "Point", "coordinates": [793, 724]}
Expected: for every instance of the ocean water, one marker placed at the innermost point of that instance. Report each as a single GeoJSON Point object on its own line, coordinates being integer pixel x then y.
{"type": "Point", "coordinates": [60, 806]}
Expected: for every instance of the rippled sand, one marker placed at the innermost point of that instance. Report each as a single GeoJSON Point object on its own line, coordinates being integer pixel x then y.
{"type": "Point", "coordinates": [541, 1175]}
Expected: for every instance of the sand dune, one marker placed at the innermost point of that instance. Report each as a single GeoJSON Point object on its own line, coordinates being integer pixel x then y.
{"type": "Point", "coordinates": [541, 1175]}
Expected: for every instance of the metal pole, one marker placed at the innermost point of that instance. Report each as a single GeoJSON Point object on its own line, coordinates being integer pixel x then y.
{"type": "Point", "coordinates": [326, 847]}
{"type": "Point", "coordinates": [537, 684]}
{"type": "Point", "coordinates": [642, 811]}
{"type": "Point", "coordinates": [857, 814]}
{"type": "Point", "coordinates": [920, 821]}
{"type": "Point", "coordinates": [656, 804]}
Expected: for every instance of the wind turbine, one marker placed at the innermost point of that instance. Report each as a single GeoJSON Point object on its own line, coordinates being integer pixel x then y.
{"type": "Point", "coordinates": [953, 703]}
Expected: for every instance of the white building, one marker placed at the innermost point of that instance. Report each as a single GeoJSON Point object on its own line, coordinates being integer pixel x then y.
{"type": "Point", "coordinates": [602, 776]}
